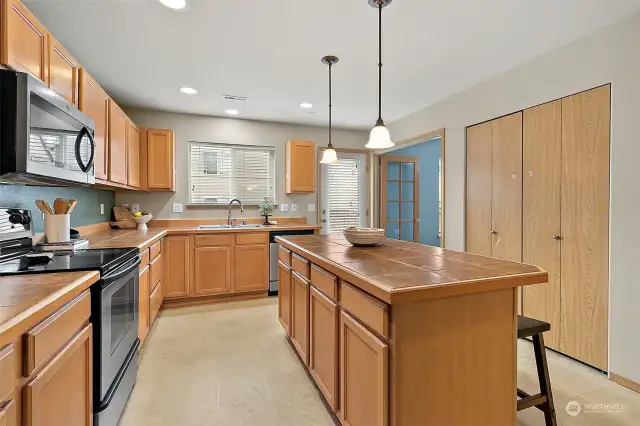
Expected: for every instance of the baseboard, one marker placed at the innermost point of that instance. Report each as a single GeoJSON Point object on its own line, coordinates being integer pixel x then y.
{"type": "Point", "coordinates": [206, 300]}
{"type": "Point", "coordinates": [630, 384]}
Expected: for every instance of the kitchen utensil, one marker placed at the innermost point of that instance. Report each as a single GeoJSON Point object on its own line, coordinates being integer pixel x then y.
{"type": "Point", "coordinates": [364, 236]}
{"type": "Point", "coordinates": [59, 206]}
{"type": "Point", "coordinates": [71, 206]}
{"type": "Point", "coordinates": [44, 207]}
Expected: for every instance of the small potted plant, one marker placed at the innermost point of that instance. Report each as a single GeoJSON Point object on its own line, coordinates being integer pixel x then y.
{"type": "Point", "coordinates": [266, 210]}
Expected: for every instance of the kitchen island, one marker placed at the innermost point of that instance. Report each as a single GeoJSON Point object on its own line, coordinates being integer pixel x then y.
{"type": "Point", "coordinates": [404, 334]}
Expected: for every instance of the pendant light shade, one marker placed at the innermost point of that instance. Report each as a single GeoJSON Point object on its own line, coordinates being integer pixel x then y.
{"type": "Point", "coordinates": [379, 138]}
{"type": "Point", "coordinates": [329, 156]}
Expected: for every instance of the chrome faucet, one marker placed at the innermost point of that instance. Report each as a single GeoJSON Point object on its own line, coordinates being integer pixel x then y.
{"type": "Point", "coordinates": [235, 200]}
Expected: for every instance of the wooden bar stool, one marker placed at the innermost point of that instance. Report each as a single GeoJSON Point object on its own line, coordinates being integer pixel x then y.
{"type": "Point", "coordinates": [529, 327]}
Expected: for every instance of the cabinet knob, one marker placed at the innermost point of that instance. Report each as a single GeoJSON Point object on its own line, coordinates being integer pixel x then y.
{"type": "Point", "coordinates": [494, 232]}
{"type": "Point", "coordinates": [557, 237]}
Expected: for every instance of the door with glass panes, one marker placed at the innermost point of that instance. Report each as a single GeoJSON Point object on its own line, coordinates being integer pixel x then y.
{"type": "Point", "coordinates": [399, 197]}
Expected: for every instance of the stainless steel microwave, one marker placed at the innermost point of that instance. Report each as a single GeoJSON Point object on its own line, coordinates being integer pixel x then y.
{"type": "Point", "coordinates": [44, 140]}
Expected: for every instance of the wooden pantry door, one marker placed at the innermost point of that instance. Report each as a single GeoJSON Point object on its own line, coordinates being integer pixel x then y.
{"type": "Point", "coordinates": [478, 208]}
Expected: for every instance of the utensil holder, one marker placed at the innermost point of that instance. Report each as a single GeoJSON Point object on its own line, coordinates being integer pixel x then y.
{"type": "Point", "coordinates": [57, 228]}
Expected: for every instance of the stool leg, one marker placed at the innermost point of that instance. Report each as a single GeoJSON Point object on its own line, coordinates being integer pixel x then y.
{"type": "Point", "coordinates": [545, 381]}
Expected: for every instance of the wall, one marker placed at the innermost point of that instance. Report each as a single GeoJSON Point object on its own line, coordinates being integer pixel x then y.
{"type": "Point", "coordinates": [189, 127]}
{"type": "Point", "coordinates": [609, 56]}
{"type": "Point", "coordinates": [429, 154]}
{"type": "Point", "coordinates": [87, 212]}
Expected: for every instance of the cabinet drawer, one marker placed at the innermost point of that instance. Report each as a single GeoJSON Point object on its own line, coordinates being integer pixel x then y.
{"type": "Point", "coordinates": [155, 301]}
{"type": "Point", "coordinates": [253, 238]}
{"type": "Point", "coordinates": [154, 250]}
{"type": "Point", "coordinates": [367, 309]}
{"type": "Point", "coordinates": [155, 273]}
{"type": "Point", "coordinates": [144, 259]}
{"type": "Point", "coordinates": [8, 414]}
{"type": "Point", "coordinates": [46, 338]}
{"type": "Point", "coordinates": [300, 265]}
{"type": "Point", "coordinates": [284, 255]}
{"type": "Point", "coordinates": [213, 240]}
{"type": "Point", "coordinates": [324, 281]}
{"type": "Point", "coordinates": [7, 372]}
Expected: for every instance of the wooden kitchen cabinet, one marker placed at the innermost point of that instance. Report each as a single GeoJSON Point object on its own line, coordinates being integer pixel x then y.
{"type": "Point", "coordinates": [143, 296]}
{"type": "Point", "coordinates": [133, 155]}
{"type": "Point", "coordinates": [251, 268]}
{"type": "Point", "coordinates": [300, 167]}
{"type": "Point", "coordinates": [300, 315]}
{"type": "Point", "coordinates": [23, 44]}
{"type": "Point", "coordinates": [8, 414]}
{"type": "Point", "coordinates": [364, 379]}
{"type": "Point", "coordinates": [118, 130]}
{"type": "Point", "coordinates": [212, 270]}
{"type": "Point", "coordinates": [158, 163]}
{"type": "Point", "coordinates": [323, 345]}
{"type": "Point", "coordinates": [177, 272]}
{"type": "Point", "coordinates": [94, 102]}
{"type": "Point", "coordinates": [284, 296]}
{"type": "Point", "coordinates": [61, 393]}
{"type": "Point", "coordinates": [63, 71]}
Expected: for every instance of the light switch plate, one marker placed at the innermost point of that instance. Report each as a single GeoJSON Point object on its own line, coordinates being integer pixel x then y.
{"type": "Point", "coordinates": [135, 208]}
{"type": "Point", "coordinates": [177, 208]}
{"type": "Point", "coordinates": [311, 207]}
{"type": "Point", "coordinates": [294, 207]}
{"type": "Point", "coordinates": [284, 207]}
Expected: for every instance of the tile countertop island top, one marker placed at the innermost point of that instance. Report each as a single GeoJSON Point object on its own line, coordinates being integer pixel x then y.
{"type": "Point", "coordinates": [400, 271]}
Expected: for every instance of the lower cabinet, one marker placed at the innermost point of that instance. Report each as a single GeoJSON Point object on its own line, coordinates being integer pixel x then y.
{"type": "Point", "coordinates": [8, 414]}
{"type": "Point", "coordinates": [155, 302]}
{"type": "Point", "coordinates": [284, 296]}
{"type": "Point", "coordinates": [250, 268]}
{"type": "Point", "coordinates": [300, 315]}
{"type": "Point", "coordinates": [177, 270]}
{"type": "Point", "coordinates": [212, 270]}
{"type": "Point", "coordinates": [60, 394]}
{"type": "Point", "coordinates": [143, 297]}
{"type": "Point", "coordinates": [323, 345]}
{"type": "Point", "coordinates": [364, 380]}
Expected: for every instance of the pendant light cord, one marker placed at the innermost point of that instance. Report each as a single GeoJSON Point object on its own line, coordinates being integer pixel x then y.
{"type": "Point", "coordinates": [330, 64]}
{"type": "Point", "coordinates": [379, 60]}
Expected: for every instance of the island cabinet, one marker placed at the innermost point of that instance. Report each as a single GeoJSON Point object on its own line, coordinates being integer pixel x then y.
{"type": "Point", "coordinates": [393, 344]}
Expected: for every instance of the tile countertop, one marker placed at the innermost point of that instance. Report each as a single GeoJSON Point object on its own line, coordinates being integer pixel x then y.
{"type": "Point", "coordinates": [400, 271]}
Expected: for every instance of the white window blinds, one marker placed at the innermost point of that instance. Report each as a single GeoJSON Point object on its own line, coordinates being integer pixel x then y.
{"type": "Point", "coordinates": [221, 172]}
{"type": "Point", "coordinates": [346, 194]}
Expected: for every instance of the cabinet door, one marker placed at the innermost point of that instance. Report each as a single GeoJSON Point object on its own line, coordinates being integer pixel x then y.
{"type": "Point", "coordinates": [323, 345]}
{"type": "Point", "coordinates": [251, 268]}
{"type": "Point", "coordinates": [364, 375]}
{"type": "Point", "coordinates": [61, 393]}
{"type": "Point", "coordinates": [94, 102]}
{"type": "Point", "coordinates": [300, 159]}
{"type": "Point", "coordinates": [24, 40]}
{"type": "Point", "coordinates": [585, 225]}
{"type": "Point", "coordinates": [212, 270]}
{"type": "Point", "coordinates": [542, 132]}
{"type": "Point", "coordinates": [133, 155]}
{"type": "Point", "coordinates": [176, 250]}
{"type": "Point", "coordinates": [300, 315]}
{"type": "Point", "coordinates": [506, 187]}
{"type": "Point", "coordinates": [63, 71]}
{"type": "Point", "coordinates": [118, 129]}
{"type": "Point", "coordinates": [143, 297]}
{"type": "Point", "coordinates": [8, 414]}
{"type": "Point", "coordinates": [284, 296]}
{"type": "Point", "coordinates": [160, 159]}
{"type": "Point", "coordinates": [478, 221]}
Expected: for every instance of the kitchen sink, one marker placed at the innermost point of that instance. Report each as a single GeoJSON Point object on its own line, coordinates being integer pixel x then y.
{"type": "Point", "coordinates": [214, 227]}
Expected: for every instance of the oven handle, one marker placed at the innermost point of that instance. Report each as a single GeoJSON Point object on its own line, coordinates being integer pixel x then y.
{"type": "Point", "coordinates": [124, 270]}
{"type": "Point", "coordinates": [81, 134]}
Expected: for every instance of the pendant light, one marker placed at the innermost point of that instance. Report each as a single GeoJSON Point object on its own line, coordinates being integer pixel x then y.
{"type": "Point", "coordinates": [329, 155]}
{"type": "Point", "coordinates": [379, 137]}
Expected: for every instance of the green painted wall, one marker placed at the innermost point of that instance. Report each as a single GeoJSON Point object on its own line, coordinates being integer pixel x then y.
{"type": "Point", "coordinates": [87, 212]}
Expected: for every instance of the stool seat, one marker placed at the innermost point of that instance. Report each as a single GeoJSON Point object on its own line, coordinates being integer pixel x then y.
{"type": "Point", "coordinates": [528, 327]}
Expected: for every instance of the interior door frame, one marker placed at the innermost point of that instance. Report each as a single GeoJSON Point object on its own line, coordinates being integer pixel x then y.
{"type": "Point", "coordinates": [439, 133]}
{"type": "Point", "coordinates": [367, 178]}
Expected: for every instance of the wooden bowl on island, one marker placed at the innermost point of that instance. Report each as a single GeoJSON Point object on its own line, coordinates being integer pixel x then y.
{"type": "Point", "coordinates": [365, 237]}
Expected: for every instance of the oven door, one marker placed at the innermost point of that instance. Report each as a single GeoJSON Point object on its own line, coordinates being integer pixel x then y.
{"type": "Point", "coordinates": [118, 321]}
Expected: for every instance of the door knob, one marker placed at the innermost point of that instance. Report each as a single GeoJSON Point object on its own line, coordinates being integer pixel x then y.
{"type": "Point", "coordinates": [557, 237]}
{"type": "Point", "coordinates": [494, 232]}
{"type": "Point", "coordinates": [324, 220]}
{"type": "Point", "coordinates": [416, 220]}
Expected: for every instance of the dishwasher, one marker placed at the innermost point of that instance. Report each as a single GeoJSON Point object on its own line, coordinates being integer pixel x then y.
{"type": "Point", "coordinates": [273, 255]}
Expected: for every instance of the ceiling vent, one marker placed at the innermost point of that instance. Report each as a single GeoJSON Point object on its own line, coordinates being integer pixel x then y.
{"type": "Point", "coordinates": [235, 98]}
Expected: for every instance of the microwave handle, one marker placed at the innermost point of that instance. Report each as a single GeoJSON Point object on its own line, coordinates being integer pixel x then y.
{"type": "Point", "coordinates": [85, 132]}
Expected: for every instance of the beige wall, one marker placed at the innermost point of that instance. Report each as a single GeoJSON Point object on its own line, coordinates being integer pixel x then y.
{"type": "Point", "coordinates": [609, 56]}
{"type": "Point", "coordinates": [217, 129]}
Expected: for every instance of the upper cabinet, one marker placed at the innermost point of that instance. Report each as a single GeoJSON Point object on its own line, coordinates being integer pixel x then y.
{"type": "Point", "coordinates": [133, 151]}
{"type": "Point", "coordinates": [63, 71]}
{"type": "Point", "coordinates": [23, 44]}
{"type": "Point", "coordinates": [94, 102]}
{"type": "Point", "coordinates": [118, 130]}
{"type": "Point", "coordinates": [160, 159]}
{"type": "Point", "coordinates": [300, 166]}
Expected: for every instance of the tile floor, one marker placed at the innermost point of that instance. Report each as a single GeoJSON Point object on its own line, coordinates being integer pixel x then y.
{"type": "Point", "coordinates": [229, 365]}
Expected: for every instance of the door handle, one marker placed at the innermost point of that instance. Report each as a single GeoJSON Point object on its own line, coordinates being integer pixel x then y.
{"type": "Point", "coordinates": [324, 221]}
{"type": "Point", "coordinates": [557, 237]}
{"type": "Point", "coordinates": [416, 220]}
{"type": "Point", "coordinates": [494, 232]}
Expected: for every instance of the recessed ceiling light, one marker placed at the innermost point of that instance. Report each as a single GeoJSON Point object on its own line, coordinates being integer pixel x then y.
{"type": "Point", "coordinates": [306, 105]}
{"type": "Point", "coordinates": [174, 4]}
{"type": "Point", "coordinates": [188, 90]}
{"type": "Point", "coordinates": [232, 111]}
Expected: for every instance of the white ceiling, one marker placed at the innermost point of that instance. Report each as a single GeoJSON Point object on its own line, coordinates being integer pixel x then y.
{"type": "Point", "coordinates": [143, 52]}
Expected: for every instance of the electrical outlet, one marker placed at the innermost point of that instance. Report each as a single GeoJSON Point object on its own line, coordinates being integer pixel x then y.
{"type": "Point", "coordinates": [311, 207]}
{"type": "Point", "coordinates": [42, 216]}
{"type": "Point", "coordinates": [135, 208]}
{"type": "Point", "coordinates": [284, 207]}
{"type": "Point", "coordinates": [294, 207]}
{"type": "Point", "coordinates": [177, 208]}
{"type": "Point", "coordinates": [101, 208]}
